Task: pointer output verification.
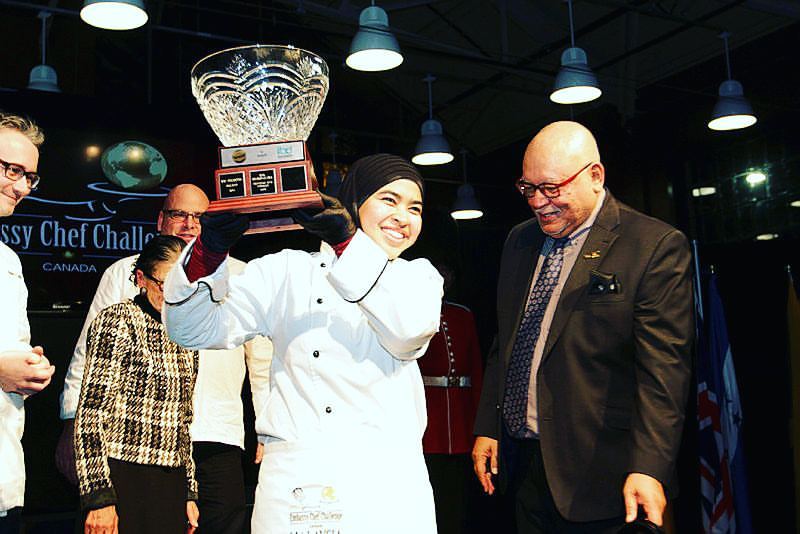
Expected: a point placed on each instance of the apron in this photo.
(359, 487)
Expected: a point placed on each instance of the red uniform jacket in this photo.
(453, 352)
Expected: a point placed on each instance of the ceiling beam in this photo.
(669, 35)
(539, 54)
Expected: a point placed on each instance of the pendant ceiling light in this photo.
(43, 77)
(432, 147)
(114, 14)
(732, 110)
(374, 47)
(466, 206)
(575, 81)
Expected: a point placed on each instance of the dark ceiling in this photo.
(659, 64)
(494, 60)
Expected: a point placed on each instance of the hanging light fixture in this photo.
(114, 14)
(432, 147)
(374, 47)
(43, 77)
(466, 206)
(732, 110)
(575, 81)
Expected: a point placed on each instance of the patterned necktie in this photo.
(515, 403)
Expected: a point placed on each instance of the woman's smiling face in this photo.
(392, 216)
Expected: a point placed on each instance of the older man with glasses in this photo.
(585, 387)
(217, 429)
(24, 370)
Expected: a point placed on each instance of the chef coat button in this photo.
(316, 354)
(328, 409)
(322, 265)
(319, 300)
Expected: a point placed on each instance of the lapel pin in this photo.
(592, 255)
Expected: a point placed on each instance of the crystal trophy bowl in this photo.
(260, 94)
(262, 102)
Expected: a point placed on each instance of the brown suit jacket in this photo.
(614, 377)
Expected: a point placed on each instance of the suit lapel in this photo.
(599, 240)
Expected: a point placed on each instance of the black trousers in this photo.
(535, 509)
(150, 498)
(451, 479)
(11, 522)
(222, 505)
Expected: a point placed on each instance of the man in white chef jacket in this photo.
(24, 370)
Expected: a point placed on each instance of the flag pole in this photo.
(698, 288)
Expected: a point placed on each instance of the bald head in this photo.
(554, 156)
(562, 144)
(180, 215)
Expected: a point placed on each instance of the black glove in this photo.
(220, 231)
(332, 223)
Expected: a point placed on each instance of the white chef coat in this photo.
(345, 382)
(218, 412)
(15, 334)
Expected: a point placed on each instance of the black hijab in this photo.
(369, 174)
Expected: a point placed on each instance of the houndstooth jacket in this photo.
(136, 400)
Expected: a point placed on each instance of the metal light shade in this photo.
(432, 147)
(114, 14)
(466, 206)
(43, 78)
(374, 47)
(575, 82)
(732, 110)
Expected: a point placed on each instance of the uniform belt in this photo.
(447, 381)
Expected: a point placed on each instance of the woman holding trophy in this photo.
(346, 411)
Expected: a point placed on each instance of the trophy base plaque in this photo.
(265, 181)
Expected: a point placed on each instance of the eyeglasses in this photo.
(14, 172)
(159, 283)
(180, 215)
(528, 190)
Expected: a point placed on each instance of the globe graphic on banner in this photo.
(133, 165)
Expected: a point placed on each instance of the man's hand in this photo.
(259, 453)
(25, 372)
(222, 230)
(644, 490)
(332, 223)
(192, 517)
(102, 521)
(485, 449)
(65, 452)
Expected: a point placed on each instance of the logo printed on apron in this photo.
(315, 509)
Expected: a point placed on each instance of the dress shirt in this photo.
(217, 398)
(346, 331)
(571, 250)
(14, 335)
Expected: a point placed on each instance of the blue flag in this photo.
(723, 479)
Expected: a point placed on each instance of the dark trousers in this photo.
(535, 509)
(453, 490)
(11, 522)
(150, 498)
(221, 485)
